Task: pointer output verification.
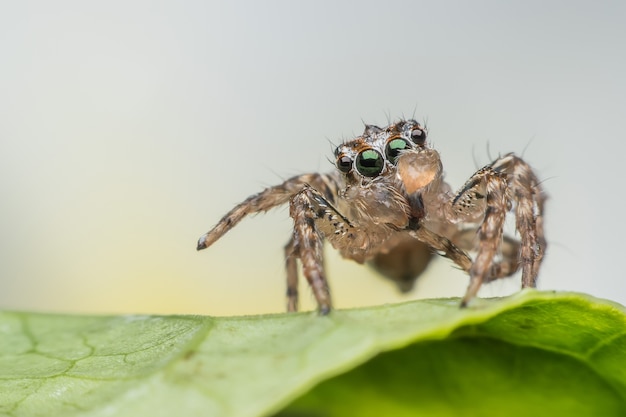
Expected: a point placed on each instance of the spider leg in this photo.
(541, 245)
(509, 252)
(469, 202)
(509, 262)
(263, 201)
(306, 208)
(529, 198)
(443, 245)
(292, 275)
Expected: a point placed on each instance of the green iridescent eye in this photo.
(394, 147)
(370, 163)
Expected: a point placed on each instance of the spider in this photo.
(387, 204)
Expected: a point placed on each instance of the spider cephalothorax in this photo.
(387, 204)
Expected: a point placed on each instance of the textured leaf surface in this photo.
(536, 352)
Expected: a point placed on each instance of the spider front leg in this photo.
(491, 191)
(307, 241)
(314, 218)
(490, 185)
(260, 202)
(529, 202)
(297, 192)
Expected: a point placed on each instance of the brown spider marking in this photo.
(387, 204)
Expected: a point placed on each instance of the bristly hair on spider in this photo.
(387, 204)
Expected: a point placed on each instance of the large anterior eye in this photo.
(344, 163)
(369, 163)
(418, 136)
(393, 148)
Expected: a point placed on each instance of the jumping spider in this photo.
(387, 203)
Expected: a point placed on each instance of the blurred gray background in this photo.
(128, 128)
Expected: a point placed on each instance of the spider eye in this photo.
(344, 164)
(394, 147)
(418, 136)
(369, 163)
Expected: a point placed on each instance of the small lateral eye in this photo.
(344, 163)
(418, 136)
(393, 148)
(369, 163)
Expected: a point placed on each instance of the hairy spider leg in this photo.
(505, 181)
(490, 231)
(265, 200)
(291, 266)
(443, 245)
(307, 240)
(529, 199)
(275, 196)
(509, 252)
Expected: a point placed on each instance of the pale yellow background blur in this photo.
(128, 128)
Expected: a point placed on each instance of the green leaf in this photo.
(534, 353)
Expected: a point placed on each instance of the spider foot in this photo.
(202, 242)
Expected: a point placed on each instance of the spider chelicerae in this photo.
(387, 204)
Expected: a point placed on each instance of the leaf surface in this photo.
(536, 352)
